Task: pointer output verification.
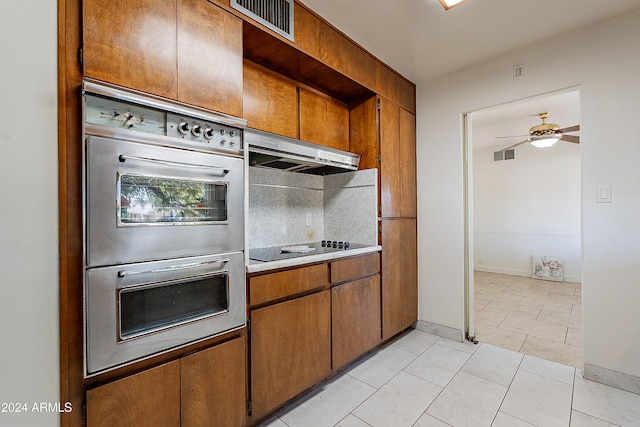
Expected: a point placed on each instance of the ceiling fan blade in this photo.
(515, 145)
(511, 136)
(570, 129)
(571, 138)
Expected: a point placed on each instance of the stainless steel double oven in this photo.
(164, 225)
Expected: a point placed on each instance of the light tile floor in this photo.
(535, 317)
(422, 380)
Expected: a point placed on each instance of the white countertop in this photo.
(260, 266)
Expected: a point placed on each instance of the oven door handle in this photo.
(175, 267)
(124, 157)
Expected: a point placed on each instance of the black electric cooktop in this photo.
(276, 253)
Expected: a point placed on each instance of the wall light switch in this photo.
(307, 220)
(603, 194)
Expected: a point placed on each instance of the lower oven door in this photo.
(146, 202)
(134, 311)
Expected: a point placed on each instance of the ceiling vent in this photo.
(275, 14)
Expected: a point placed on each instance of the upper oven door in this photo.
(146, 202)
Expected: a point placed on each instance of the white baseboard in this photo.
(611, 378)
(439, 330)
(523, 273)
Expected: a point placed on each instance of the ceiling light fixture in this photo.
(448, 4)
(546, 134)
(545, 141)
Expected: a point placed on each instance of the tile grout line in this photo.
(509, 388)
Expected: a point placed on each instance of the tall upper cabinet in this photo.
(187, 50)
(398, 212)
(383, 132)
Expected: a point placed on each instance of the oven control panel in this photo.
(203, 131)
(196, 132)
(122, 115)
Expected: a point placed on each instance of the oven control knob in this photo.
(222, 142)
(232, 143)
(232, 134)
(183, 128)
(208, 133)
(196, 131)
(222, 131)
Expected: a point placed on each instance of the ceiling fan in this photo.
(547, 134)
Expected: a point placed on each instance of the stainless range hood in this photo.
(279, 152)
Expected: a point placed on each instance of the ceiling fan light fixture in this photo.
(545, 141)
(448, 4)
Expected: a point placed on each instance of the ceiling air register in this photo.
(275, 14)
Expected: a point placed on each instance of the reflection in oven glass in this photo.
(146, 199)
(150, 308)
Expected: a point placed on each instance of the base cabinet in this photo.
(290, 350)
(213, 386)
(355, 319)
(399, 275)
(207, 388)
(150, 398)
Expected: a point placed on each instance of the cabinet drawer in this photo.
(353, 268)
(274, 286)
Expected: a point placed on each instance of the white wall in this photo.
(603, 60)
(527, 206)
(29, 341)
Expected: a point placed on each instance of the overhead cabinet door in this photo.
(209, 57)
(397, 161)
(186, 50)
(131, 43)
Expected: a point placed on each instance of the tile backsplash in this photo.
(291, 208)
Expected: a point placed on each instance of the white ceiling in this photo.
(422, 41)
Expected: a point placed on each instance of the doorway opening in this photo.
(523, 229)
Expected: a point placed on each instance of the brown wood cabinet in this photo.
(393, 152)
(323, 120)
(188, 50)
(277, 286)
(150, 398)
(270, 101)
(203, 389)
(290, 350)
(355, 308)
(317, 38)
(132, 43)
(394, 87)
(398, 161)
(213, 386)
(399, 275)
(363, 131)
(275, 103)
(209, 57)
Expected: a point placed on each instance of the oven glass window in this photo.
(154, 200)
(150, 308)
